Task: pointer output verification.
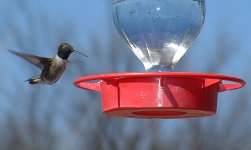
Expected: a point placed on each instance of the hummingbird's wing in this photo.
(38, 61)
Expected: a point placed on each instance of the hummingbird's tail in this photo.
(34, 80)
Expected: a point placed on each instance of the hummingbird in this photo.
(52, 68)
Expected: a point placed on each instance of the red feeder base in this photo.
(159, 94)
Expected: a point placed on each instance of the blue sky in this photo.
(91, 17)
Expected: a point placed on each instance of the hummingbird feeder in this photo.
(159, 34)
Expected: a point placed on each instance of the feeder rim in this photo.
(237, 82)
(159, 74)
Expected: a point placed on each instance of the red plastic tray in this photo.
(159, 94)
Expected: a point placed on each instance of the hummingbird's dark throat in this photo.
(63, 55)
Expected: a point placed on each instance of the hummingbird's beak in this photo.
(78, 52)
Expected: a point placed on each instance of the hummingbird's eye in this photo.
(67, 48)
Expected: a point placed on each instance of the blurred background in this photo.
(64, 117)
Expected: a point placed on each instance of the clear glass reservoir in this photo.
(159, 32)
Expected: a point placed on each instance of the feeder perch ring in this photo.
(159, 94)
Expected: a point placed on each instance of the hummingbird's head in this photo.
(64, 50)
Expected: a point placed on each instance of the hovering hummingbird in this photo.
(52, 68)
